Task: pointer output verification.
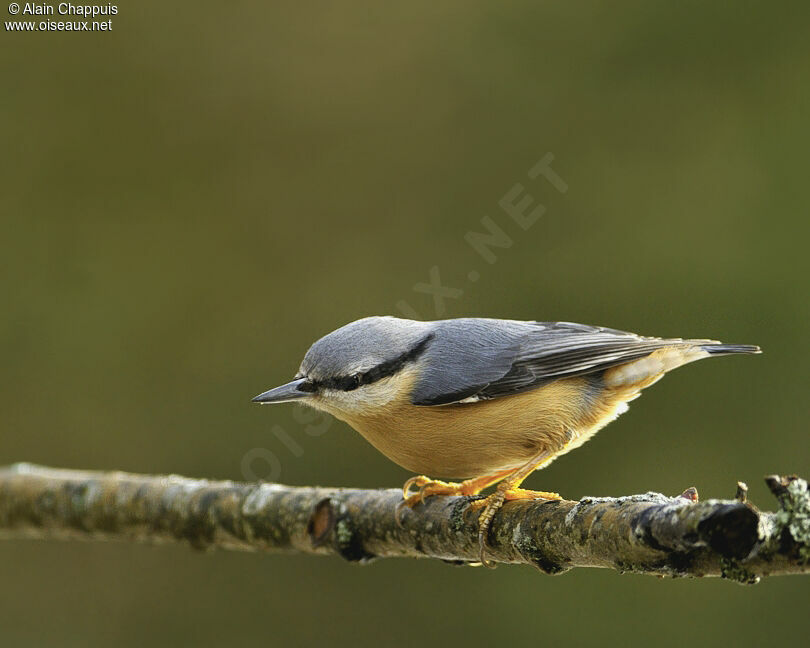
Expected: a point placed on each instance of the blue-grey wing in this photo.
(479, 359)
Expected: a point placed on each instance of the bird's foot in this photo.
(493, 503)
(427, 487)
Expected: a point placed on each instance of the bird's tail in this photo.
(724, 349)
(645, 371)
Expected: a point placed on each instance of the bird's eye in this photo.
(345, 383)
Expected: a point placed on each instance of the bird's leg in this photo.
(508, 489)
(425, 487)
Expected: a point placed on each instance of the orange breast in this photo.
(474, 439)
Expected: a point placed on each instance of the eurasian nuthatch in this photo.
(484, 400)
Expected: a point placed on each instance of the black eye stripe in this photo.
(382, 370)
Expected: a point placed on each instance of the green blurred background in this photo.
(193, 198)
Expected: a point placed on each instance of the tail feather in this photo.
(645, 371)
(722, 349)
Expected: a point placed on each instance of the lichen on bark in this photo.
(647, 534)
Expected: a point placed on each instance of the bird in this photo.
(481, 400)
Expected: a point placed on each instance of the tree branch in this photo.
(648, 534)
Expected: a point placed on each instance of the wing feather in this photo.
(478, 359)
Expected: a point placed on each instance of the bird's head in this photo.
(357, 368)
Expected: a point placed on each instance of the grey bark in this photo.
(648, 534)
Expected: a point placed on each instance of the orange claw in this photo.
(523, 493)
(507, 490)
(427, 487)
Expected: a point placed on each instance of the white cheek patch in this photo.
(655, 364)
(366, 397)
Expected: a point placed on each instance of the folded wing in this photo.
(478, 359)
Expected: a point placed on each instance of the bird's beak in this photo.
(289, 392)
